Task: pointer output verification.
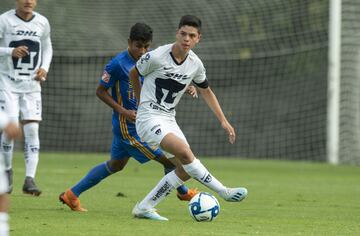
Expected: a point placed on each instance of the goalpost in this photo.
(343, 136)
(334, 82)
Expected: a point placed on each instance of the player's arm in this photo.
(18, 52)
(134, 78)
(47, 53)
(5, 51)
(214, 105)
(102, 93)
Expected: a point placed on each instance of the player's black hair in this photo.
(141, 32)
(190, 20)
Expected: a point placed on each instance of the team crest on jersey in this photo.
(105, 77)
(145, 58)
(158, 132)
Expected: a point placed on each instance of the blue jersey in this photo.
(126, 142)
(116, 77)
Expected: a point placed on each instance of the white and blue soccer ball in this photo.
(204, 207)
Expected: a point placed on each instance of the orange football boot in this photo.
(69, 198)
(187, 196)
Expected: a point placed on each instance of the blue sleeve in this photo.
(109, 75)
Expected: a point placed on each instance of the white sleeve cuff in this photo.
(6, 51)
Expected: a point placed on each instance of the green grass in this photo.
(285, 198)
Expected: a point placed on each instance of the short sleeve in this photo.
(146, 64)
(108, 76)
(47, 29)
(4, 51)
(200, 77)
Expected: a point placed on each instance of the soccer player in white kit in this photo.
(25, 57)
(168, 71)
(13, 131)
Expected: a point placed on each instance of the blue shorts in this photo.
(132, 146)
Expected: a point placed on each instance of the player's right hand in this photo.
(20, 52)
(130, 115)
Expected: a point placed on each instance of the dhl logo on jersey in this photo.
(176, 76)
(26, 33)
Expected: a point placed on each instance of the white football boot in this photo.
(234, 194)
(150, 214)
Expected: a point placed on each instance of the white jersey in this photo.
(17, 74)
(166, 80)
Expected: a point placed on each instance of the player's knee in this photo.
(116, 165)
(185, 155)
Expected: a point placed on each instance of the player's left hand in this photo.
(130, 115)
(229, 130)
(40, 75)
(191, 90)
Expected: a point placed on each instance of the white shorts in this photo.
(153, 129)
(3, 179)
(27, 106)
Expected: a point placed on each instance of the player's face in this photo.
(187, 37)
(25, 6)
(138, 48)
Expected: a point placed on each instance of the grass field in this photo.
(285, 198)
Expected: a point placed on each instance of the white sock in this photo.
(198, 171)
(32, 147)
(4, 224)
(161, 190)
(7, 146)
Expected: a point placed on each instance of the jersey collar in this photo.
(130, 56)
(33, 16)
(177, 63)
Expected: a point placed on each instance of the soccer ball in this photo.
(204, 207)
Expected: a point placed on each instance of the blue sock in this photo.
(181, 189)
(93, 177)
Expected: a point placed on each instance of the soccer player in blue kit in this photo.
(126, 143)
